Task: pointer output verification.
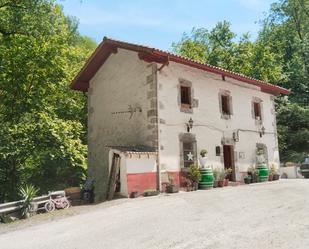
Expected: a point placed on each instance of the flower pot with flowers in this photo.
(203, 158)
(221, 178)
(272, 171)
(253, 172)
(228, 173)
(216, 173)
(275, 173)
(171, 187)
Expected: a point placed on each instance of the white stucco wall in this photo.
(209, 127)
(123, 80)
(139, 165)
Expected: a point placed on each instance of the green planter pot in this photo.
(247, 180)
(207, 179)
(263, 173)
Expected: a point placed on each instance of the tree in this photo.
(286, 31)
(218, 47)
(42, 140)
(293, 128)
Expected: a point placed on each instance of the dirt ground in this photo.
(263, 215)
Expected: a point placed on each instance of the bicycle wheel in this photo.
(49, 206)
(66, 204)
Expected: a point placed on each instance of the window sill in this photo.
(226, 116)
(258, 121)
(186, 109)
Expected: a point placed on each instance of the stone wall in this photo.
(122, 110)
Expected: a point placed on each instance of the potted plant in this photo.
(171, 187)
(247, 179)
(216, 173)
(203, 158)
(28, 193)
(195, 175)
(272, 171)
(150, 192)
(134, 194)
(254, 174)
(189, 183)
(227, 172)
(276, 175)
(221, 178)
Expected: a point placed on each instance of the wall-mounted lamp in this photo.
(189, 125)
(262, 132)
(236, 136)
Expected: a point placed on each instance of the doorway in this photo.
(229, 162)
(114, 177)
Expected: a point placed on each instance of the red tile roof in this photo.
(109, 46)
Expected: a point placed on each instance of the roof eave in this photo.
(108, 46)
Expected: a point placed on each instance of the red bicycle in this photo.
(57, 200)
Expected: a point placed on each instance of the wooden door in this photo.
(114, 177)
(228, 155)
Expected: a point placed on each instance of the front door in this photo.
(228, 155)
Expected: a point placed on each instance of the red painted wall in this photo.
(140, 182)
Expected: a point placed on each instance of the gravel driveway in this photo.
(264, 215)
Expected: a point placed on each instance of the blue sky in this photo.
(159, 23)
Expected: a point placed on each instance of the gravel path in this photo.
(264, 215)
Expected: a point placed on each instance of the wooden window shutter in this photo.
(185, 96)
(257, 110)
(225, 104)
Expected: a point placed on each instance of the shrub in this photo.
(194, 173)
(27, 193)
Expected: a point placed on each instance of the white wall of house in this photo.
(139, 165)
(123, 80)
(209, 128)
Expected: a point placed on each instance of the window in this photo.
(185, 92)
(225, 105)
(257, 110)
(218, 151)
(189, 153)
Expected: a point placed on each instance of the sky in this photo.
(161, 22)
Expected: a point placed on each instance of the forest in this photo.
(43, 123)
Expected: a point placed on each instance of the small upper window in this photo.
(185, 92)
(257, 110)
(225, 105)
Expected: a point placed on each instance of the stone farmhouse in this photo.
(151, 112)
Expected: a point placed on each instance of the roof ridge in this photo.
(77, 82)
